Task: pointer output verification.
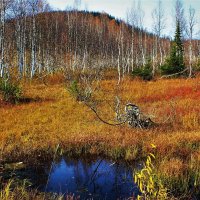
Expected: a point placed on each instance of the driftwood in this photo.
(135, 118)
(132, 116)
(102, 120)
(171, 75)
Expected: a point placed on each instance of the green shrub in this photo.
(171, 66)
(197, 66)
(74, 89)
(11, 92)
(80, 92)
(144, 72)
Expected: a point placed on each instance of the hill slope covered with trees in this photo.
(35, 39)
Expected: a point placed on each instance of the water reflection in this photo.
(99, 179)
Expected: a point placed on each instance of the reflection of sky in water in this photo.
(99, 180)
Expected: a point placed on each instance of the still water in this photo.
(99, 179)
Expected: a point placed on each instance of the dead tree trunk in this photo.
(135, 118)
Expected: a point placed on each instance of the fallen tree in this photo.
(132, 116)
(82, 89)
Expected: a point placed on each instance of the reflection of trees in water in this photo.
(84, 175)
(100, 177)
(79, 176)
(86, 171)
(96, 177)
(122, 178)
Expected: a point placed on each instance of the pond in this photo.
(97, 179)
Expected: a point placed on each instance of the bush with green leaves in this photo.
(144, 72)
(197, 66)
(79, 92)
(172, 66)
(73, 88)
(10, 91)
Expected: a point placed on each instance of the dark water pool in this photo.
(99, 179)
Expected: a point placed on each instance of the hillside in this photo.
(49, 41)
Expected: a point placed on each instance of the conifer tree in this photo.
(175, 62)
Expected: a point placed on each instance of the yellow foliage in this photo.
(149, 183)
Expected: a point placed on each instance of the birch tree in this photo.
(36, 6)
(33, 11)
(158, 27)
(2, 36)
(132, 20)
(190, 32)
(135, 17)
(119, 39)
(140, 20)
(19, 10)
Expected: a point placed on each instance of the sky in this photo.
(118, 9)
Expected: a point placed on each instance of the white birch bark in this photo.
(2, 37)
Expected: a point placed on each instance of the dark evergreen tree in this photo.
(144, 72)
(175, 62)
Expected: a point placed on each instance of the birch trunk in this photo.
(2, 36)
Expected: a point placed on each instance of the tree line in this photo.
(34, 39)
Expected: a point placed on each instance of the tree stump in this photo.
(135, 118)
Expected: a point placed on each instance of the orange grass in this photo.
(31, 131)
(55, 118)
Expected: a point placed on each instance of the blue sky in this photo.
(118, 8)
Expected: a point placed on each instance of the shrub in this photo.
(197, 67)
(11, 92)
(79, 92)
(148, 181)
(171, 66)
(144, 72)
(73, 89)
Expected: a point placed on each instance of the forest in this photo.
(103, 98)
(36, 39)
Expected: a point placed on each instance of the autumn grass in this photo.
(12, 190)
(31, 131)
